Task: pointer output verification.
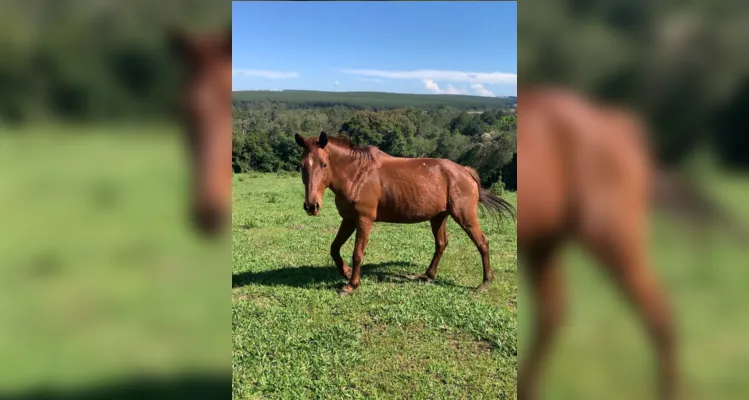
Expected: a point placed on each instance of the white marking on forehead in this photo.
(311, 162)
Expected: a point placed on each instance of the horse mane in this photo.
(363, 153)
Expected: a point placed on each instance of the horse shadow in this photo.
(309, 276)
(195, 386)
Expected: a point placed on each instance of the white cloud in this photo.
(337, 83)
(433, 87)
(500, 78)
(263, 74)
(481, 90)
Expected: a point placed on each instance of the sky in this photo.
(400, 47)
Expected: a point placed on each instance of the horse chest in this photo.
(346, 208)
(352, 209)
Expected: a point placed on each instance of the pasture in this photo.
(106, 293)
(602, 350)
(294, 337)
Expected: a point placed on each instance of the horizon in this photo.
(369, 91)
(476, 56)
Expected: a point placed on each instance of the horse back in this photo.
(416, 189)
(584, 167)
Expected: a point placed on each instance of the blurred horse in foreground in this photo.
(206, 110)
(586, 173)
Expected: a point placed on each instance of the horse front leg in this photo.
(347, 228)
(363, 227)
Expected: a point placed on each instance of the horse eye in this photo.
(324, 165)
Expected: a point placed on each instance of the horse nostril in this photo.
(209, 220)
(304, 206)
(317, 206)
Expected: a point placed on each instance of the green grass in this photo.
(603, 351)
(101, 280)
(295, 338)
(307, 98)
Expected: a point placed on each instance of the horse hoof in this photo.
(345, 291)
(420, 278)
(482, 288)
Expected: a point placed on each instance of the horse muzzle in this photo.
(312, 209)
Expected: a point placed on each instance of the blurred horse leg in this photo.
(625, 257)
(544, 272)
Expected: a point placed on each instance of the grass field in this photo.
(295, 338)
(105, 292)
(603, 352)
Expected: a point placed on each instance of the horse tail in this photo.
(490, 201)
(687, 201)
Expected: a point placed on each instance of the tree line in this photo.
(89, 60)
(263, 139)
(306, 99)
(683, 66)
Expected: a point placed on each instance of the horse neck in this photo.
(346, 169)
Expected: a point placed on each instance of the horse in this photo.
(373, 186)
(205, 105)
(586, 173)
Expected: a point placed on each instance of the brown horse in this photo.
(585, 173)
(206, 108)
(371, 186)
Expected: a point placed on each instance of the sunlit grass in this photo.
(294, 337)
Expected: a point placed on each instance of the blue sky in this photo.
(401, 47)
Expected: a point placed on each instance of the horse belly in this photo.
(411, 207)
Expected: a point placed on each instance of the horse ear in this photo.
(322, 141)
(300, 140)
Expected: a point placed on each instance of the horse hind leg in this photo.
(626, 259)
(469, 221)
(439, 230)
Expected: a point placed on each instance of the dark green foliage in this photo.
(305, 99)
(510, 173)
(460, 122)
(681, 66)
(474, 128)
(490, 155)
(485, 140)
(362, 128)
(86, 60)
(731, 139)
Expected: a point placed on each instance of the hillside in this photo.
(366, 100)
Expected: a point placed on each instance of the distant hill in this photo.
(366, 100)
